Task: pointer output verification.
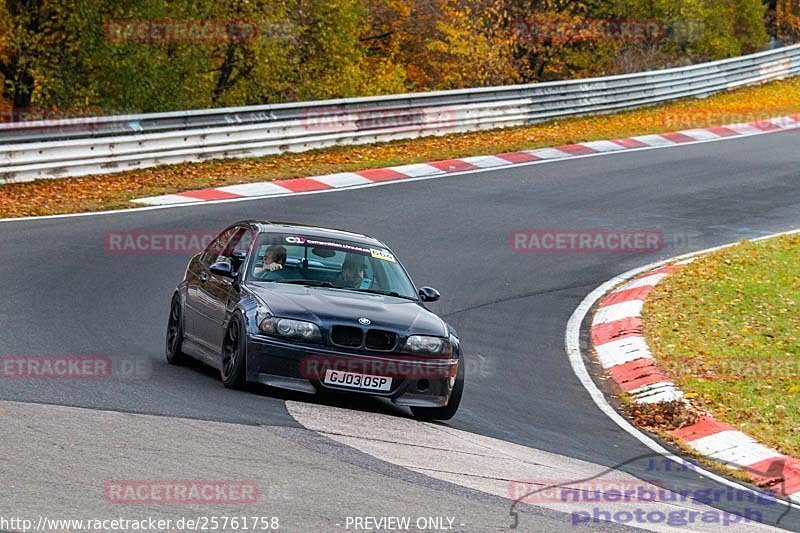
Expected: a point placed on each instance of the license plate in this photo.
(357, 381)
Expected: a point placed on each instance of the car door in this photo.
(197, 274)
(219, 295)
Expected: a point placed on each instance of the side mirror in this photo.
(222, 268)
(429, 294)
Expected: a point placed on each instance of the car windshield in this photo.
(325, 262)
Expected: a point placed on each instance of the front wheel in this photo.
(234, 348)
(448, 411)
(175, 355)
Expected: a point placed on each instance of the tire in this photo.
(234, 351)
(174, 350)
(448, 411)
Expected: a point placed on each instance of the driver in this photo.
(274, 259)
(353, 270)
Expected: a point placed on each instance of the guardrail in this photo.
(76, 147)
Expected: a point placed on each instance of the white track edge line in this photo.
(573, 347)
(394, 182)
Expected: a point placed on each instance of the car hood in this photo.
(327, 306)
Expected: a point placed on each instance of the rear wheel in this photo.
(233, 354)
(175, 355)
(448, 411)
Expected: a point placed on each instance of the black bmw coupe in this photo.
(314, 309)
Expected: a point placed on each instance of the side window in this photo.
(240, 248)
(214, 249)
(235, 251)
(231, 245)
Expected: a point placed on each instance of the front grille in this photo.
(378, 339)
(347, 336)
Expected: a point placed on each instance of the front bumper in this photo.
(415, 381)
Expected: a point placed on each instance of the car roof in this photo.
(263, 226)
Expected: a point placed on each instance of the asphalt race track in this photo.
(64, 293)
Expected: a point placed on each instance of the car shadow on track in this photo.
(343, 400)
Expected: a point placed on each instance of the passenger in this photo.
(352, 274)
(274, 259)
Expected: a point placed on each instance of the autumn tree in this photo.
(443, 44)
(80, 55)
(472, 45)
(785, 19)
(37, 52)
(329, 59)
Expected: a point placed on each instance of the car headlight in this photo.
(287, 327)
(423, 344)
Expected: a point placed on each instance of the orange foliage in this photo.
(787, 20)
(115, 190)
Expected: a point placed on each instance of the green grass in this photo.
(727, 329)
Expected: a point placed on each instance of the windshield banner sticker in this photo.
(384, 255)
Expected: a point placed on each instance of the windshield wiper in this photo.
(328, 284)
(310, 282)
(386, 293)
